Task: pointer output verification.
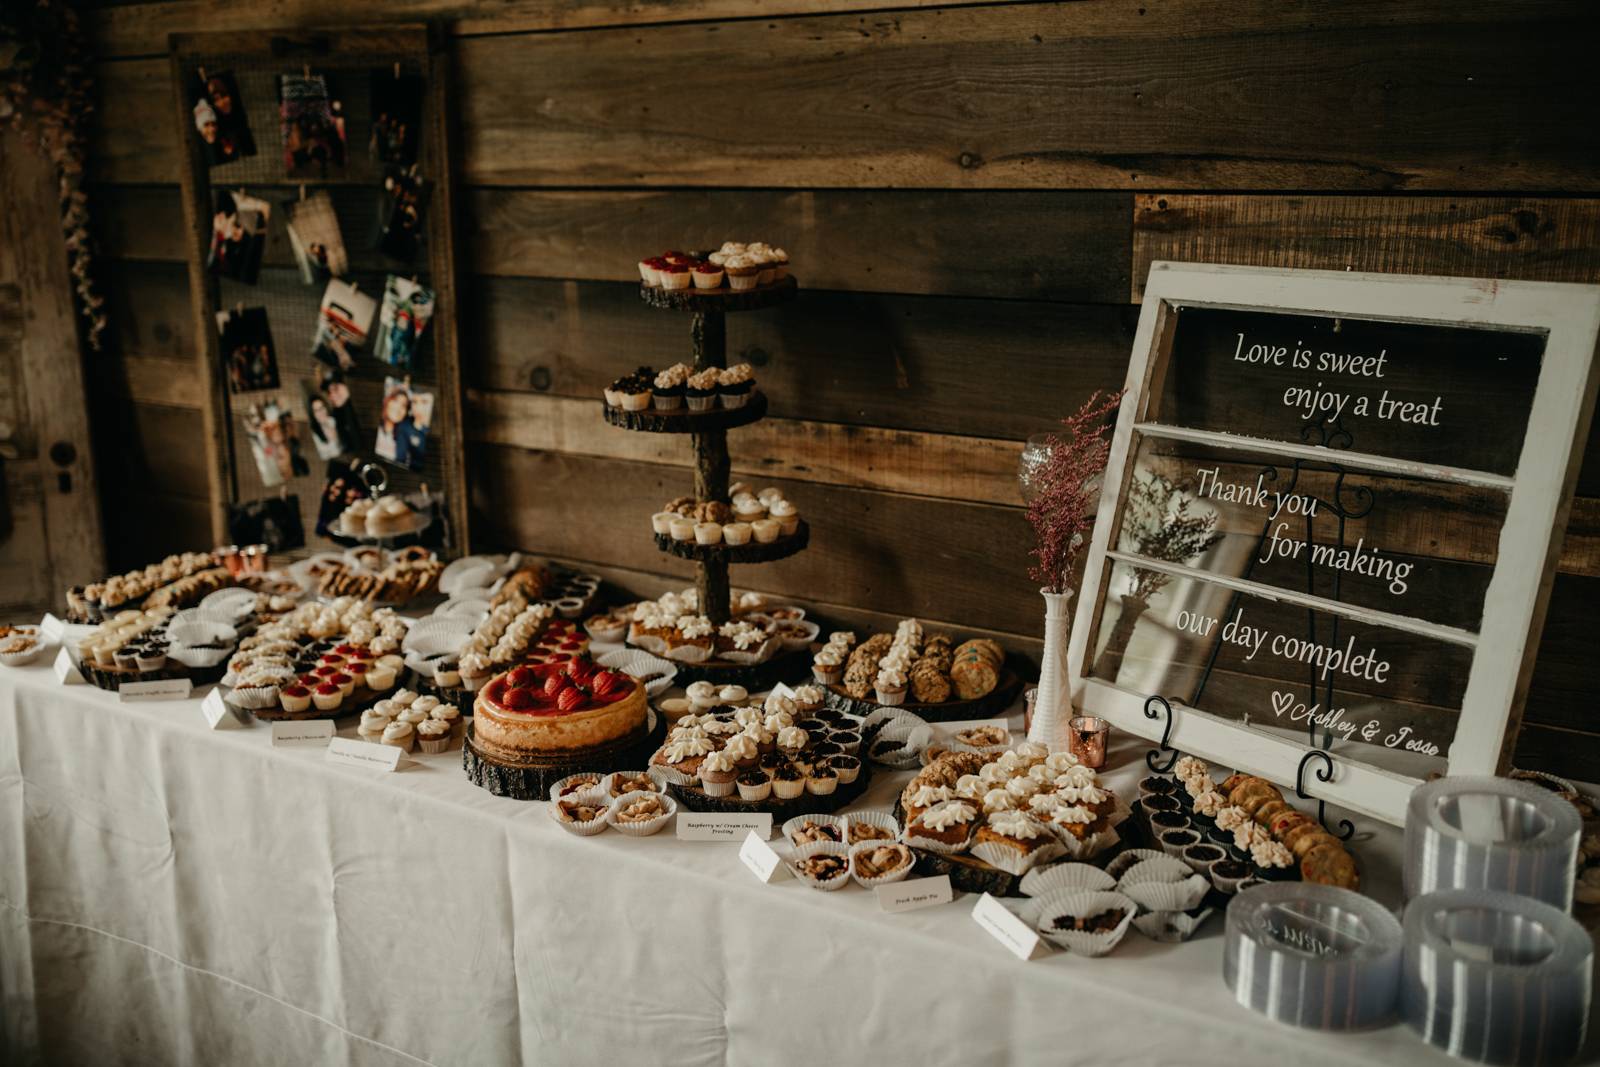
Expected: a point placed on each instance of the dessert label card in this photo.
(51, 628)
(161, 689)
(1021, 941)
(915, 893)
(364, 754)
(67, 672)
(218, 715)
(731, 826)
(316, 732)
(762, 859)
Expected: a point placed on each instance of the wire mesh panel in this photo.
(319, 175)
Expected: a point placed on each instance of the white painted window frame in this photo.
(1530, 538)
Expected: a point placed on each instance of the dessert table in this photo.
(170, 893)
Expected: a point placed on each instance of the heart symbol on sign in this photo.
(1281, 702)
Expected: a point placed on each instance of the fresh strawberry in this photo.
(611, 682)
(518, 699)
(522, 678)
(570, 699)
(554, 684)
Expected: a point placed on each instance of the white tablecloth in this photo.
(170, 894)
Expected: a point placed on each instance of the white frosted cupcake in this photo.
(891, 687)
(412, 715)
(399, 734)
(373, 723)
(433, 736)
(787, 514)
(766, 531)
(450, 715)
(402, 697)
(746, 508)
(379, 677)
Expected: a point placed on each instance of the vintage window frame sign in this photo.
(1539, 500)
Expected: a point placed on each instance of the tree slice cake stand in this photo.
(344, 710)
(112, 678)
(722, 299)
(694, 798)
(682, 420)
(530, 778)
(750, 552)
(783, 667)
(967, 873)
(993, 703)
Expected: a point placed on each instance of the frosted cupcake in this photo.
(737, 533)
(766, 531)
(372, 725)
(787, 515)
(735, 385)
(744, 272)
(671, 384)
(827, 666)
(399, 734)
(701, 392)
(433, 736)
(746, 508)
(891, 686)
(450, 715)
(718, 773)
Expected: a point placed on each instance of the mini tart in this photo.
(294, 698)
(882, 860)
(673, 276)
(531, 710)
(708, 276)
(327, 696)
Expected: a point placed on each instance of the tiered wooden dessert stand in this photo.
(709, 431)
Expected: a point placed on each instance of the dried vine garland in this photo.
(47, 98)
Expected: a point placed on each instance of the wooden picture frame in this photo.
(1539, 494)
(422, 49)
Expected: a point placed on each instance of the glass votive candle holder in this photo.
(232, 559)
(1087, 740)
(255, 558)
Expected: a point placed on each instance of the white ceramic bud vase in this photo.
(1052, 706)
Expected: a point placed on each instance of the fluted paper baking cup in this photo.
(1313, 956)
(1156, 868)
(584, 829)
(1491, 834)
(1166, 896)
(586, 780)
(1084, 848)
(800, 821)
(647, 826)
(883, 820)
(1122, 861)
(818, 848)
(1170, 926)
(1070, 877)
(1008, 859)
(896, 875)
(1083, 906)
(1496, 978)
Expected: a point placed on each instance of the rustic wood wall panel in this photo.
(970, 195)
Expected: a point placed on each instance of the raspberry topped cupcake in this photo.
(708, 276)
(674, 275)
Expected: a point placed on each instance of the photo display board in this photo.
(1333, 508)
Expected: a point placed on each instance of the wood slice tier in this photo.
(967, 873)
(532, 777)
(720, 299)
(750, 552)
(682, 420)
(784, 667)
(276, 713)
(110, 678)
(995, 702)
(695, 799)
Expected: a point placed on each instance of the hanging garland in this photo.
(47, 98)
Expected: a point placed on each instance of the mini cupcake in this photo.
(754, 786)
(780, 264)
(891, 687)
(700, 391)
(735, 385)
(446, 674)
(661, 522)
(822, 780)
(673, 276)
(808, 698)
(380, 678)
(670, 387)
(151, 656)
(788, 783)
(736, 533)
(399, 734)
(372, 724)
(647, 272)
(746, 508)
(743, 271)
(327, 696)
(787, 515)
(635, 395)
(718, 774)
(450, 715)
(404, 698)
(293, 698)
(847, 768)
(433, 736)
(413, 715)
(346, 684)
(708, 533)
(708, 276)
(766, 531)
(681, 529)
(827, 667)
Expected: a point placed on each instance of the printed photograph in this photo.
(313, 126)
(342, 325)
(403, 423)
(273, 521)
(335, 430)
(341, 488)
(238, 235)
(406, 194)
(219, 118)
(248, 358)
(407, 309)
(274, 440)
(314, 235)
(396, 117)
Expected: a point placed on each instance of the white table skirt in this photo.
(170, 894)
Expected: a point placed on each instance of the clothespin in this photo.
(305, 69)
(397, 70)
(302, 190)
(202, 71)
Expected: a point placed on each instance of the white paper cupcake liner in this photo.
(434, 746)
(609, 780)
(817, 848)
(1068, 877)
(1119, 864)
(254, 697)
(1084, 848)
(801, 641)
(1166, 896)
(688, 653)
(584, 829)
(198, 658)
(641, 829)
(1170, 926)
(1011, 861)
(672, 776)
(20, 659)
(1082, 905)
(912, 838)
(882, 819)
(561, 783)
(202, 633)
(1159, 868)
(839, 821)
(899, 875)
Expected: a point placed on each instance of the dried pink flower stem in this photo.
(1062, 513)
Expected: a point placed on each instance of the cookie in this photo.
(1330, 864)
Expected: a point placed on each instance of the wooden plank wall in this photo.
(971, 195)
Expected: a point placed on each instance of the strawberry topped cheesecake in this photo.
(538, 709)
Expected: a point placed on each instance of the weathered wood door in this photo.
(50, 535)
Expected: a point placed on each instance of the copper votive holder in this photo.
(255, 558)
(232, 559)
(1087, 740)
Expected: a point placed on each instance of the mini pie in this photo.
(881, 860)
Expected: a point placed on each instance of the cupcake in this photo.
(413, 715)
(718, 774)
(807, 698)
(736, 533)
(792, 741)
(743, 271)
(293, 698)
(446, 674)
(780, 264)
(380, 677)
(404, 698)
(847, 768)
(635, 395)
(399, 734)
(788, 783)
(681, 529)
(766, 531)
(475, 671)
(433, 736)
(735, 385)
(708, 276)
(327, 696)
(661, 522)
(450, 715)
(746, 508)
(701, 389)
(673, 276)
(787, 515)
(151, 656)
(827, 667)
(891, 687)
(707, 533)
(822, 780)
(372, 724)
(647, 272)
(670, 386)
(754, 786)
